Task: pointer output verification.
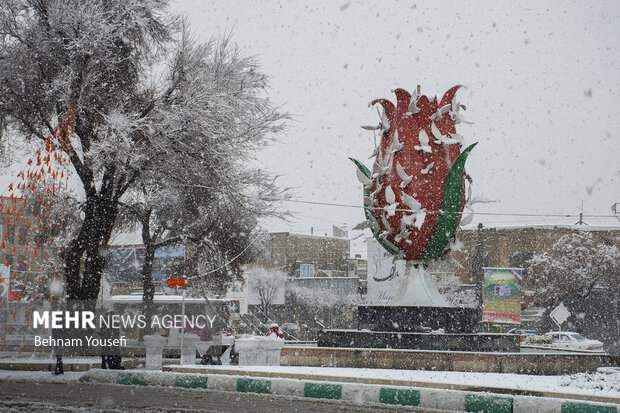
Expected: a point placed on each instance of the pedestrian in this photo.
(110, 354)
(58, 336)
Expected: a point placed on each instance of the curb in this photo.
(75, 366)
(499, 391)
(447, 400)
(20, 366)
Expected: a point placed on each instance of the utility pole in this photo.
(478, 262)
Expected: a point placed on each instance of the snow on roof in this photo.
(549, 226)
(292, 234)
(159, 299)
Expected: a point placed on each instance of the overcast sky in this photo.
(542, 90)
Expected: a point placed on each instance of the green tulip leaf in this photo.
(450, 209)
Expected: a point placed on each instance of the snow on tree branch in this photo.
(577, 263)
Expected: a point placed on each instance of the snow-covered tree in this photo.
(153, 109)
(267, 285)
(320, 298)
(576, 264)
(213, 210)
(322, 307)
(452, 288)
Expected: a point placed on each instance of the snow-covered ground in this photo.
(7, 358)
(38, 376)
(595, 384)
(605, 384)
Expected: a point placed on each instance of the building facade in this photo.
(513, 246)
(287, 251)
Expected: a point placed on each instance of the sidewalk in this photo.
(76, 364)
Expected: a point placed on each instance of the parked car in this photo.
(573, 341)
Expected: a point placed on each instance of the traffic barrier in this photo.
(441, 399)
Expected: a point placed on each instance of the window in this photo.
(21, 264)
(578, 337)
(23, 236)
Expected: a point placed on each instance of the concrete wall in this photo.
(521, 363)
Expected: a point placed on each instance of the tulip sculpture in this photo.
(415, 192)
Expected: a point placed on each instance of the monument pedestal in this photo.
(418, 319)
(418, 289)
(420, 308)
(476, 342)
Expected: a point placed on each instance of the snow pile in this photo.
(596, 382)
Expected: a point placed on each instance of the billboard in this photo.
(501, 295)
(307, 270)
(125, 264)
(168, 262)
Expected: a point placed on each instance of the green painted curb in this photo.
(488, 404)
(323, 391)
(134, 379)
(191, 382)
(403, 397)
(574, 407)
(254, 386)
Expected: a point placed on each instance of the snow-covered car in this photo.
(573, 341)
(522, 332)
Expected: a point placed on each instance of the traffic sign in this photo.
(559, 314)
(176, 282)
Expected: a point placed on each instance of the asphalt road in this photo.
(73, 397)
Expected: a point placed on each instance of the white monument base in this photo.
(417, 289)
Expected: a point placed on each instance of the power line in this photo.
(510, 214)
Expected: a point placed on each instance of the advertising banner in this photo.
(125, 264)
(501, 295)
(307, 270)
